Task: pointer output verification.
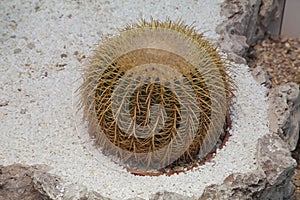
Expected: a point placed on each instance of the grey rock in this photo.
(274, 158)
(75, 191)
(92, 195)
(250, 19)
(272, 179)
(247, 22)
(170, 196)
(284, 113)
(136, 198)
(16, 182)
(48, 185)
(34, 182)
(236, 58)
(261, 76)
(236, 187)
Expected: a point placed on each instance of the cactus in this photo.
(156, 95)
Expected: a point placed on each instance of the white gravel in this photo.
(37, 82)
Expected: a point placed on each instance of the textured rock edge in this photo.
(285, 113)
(271, 180)
(247, 21)
(19, 181)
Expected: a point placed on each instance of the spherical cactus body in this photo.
(156, 95)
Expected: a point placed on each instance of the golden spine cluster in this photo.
(156, 95)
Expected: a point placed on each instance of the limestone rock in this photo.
(261, 76)
(272, 179)
(247, 21)
(16, 183)
(236, 187)
(284, 113)
(48, 185)
(76, 191)
(170, 196)
(275, 160)
(92, 195)
(20, 182)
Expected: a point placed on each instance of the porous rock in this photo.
(92, 195)
(247, 21)
(272, 179)
(48, 185)
(170, 196)
(236, 186)
(16, 182)
(284, 113)
(22, 182)
(274, 158)
(135, 198)
(261, 76)
(77, 191)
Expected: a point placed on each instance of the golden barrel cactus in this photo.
(156, 96)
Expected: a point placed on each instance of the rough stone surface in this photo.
(272, 180)
(247, 22)
(280, 58)
(284, 113)
(170, 196)
(261, 76)
(92, 195)
(48, 185)
(76, 191)
(275, 160)
(21, 182)
(236, 186)
(16, 182)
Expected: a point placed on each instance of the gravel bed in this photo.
(279, 56)
(43, 47)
